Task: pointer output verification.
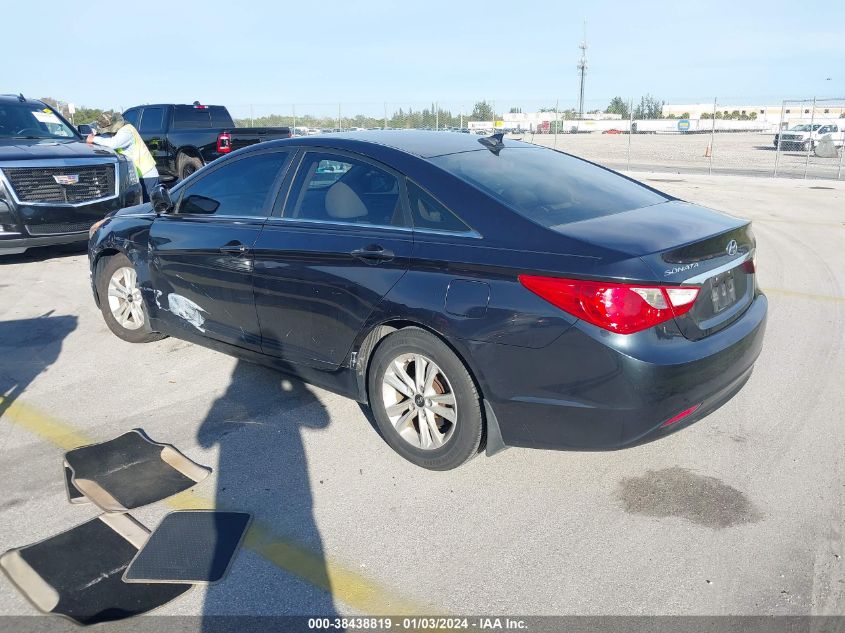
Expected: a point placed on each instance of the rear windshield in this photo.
(192, 117)
(546, 186)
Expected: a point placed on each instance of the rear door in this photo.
(201, 254)
(331, 251)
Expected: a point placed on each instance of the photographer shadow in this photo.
(27, 348)
(258, 425)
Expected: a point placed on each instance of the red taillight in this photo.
(620, 308)
(680, 416)
(224, 143)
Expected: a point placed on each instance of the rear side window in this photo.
(548, 187)
(344, 190)
(152, 120)
(428, 213)
(189, 117)
(238, 188)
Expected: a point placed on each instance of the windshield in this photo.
(32, 120)
(805, 128)
(548, 187)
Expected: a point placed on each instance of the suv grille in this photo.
(38, 184)
(55, 229)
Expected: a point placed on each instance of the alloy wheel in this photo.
(124, 298)
(419, 401)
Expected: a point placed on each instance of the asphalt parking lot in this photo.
(739, 153)
(742, 513)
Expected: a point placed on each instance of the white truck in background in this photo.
(806, 136)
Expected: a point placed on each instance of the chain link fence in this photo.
(791, 138)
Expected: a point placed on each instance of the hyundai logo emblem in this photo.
(66, 179)
(731, 248)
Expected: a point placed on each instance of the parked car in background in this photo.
(183, 138)
(473, 291)
(54, 186)
(805, 137)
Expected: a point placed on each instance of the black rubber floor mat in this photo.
(195, 546)
(73, 494)
(131, 471)
(77, 574)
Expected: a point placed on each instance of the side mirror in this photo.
(85, 129)
(160, 198)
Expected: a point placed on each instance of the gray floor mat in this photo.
(195, 546)
(131, 471)
(77, 574)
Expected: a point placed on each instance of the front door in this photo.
(202, 260)
(324, 261)
(152, 128)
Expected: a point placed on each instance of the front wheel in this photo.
(424, 400)
(121, 303)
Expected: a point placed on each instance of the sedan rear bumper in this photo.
(593, 390)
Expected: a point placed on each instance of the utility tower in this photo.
(582, 67)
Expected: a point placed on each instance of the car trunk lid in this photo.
(684, 244)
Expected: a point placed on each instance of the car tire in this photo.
(188, 165)
(436, 425)
(121, 302)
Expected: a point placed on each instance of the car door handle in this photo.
(235, 248)
(373, 254)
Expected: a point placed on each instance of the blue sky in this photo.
(517, 53)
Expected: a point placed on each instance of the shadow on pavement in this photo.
(27, 348)
(258, 425)
(43, 253)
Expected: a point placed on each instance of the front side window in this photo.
(333, 188)
(238, 188)
(548, 187)
(152, 120)
(131, 117)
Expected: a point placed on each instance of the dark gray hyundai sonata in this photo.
(474, 292)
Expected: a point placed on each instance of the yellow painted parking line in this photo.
(45, 426)
(802, 295)
(350, 587)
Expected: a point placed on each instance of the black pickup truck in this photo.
(53, 186)
(183, 138)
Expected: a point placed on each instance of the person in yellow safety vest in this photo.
(125, 140)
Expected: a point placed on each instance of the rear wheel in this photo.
(121, 302)
(424, 400)
(188, 165)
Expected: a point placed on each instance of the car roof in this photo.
(10, 98)
(420, 143)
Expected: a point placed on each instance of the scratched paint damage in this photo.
(186, 309)
(182, 307)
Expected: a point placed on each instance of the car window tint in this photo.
(428, 213)
(187, 117)
(339, 189)
(131, 117)
(237, 188)
(546, 186)
(152, 120)
(220, 117)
